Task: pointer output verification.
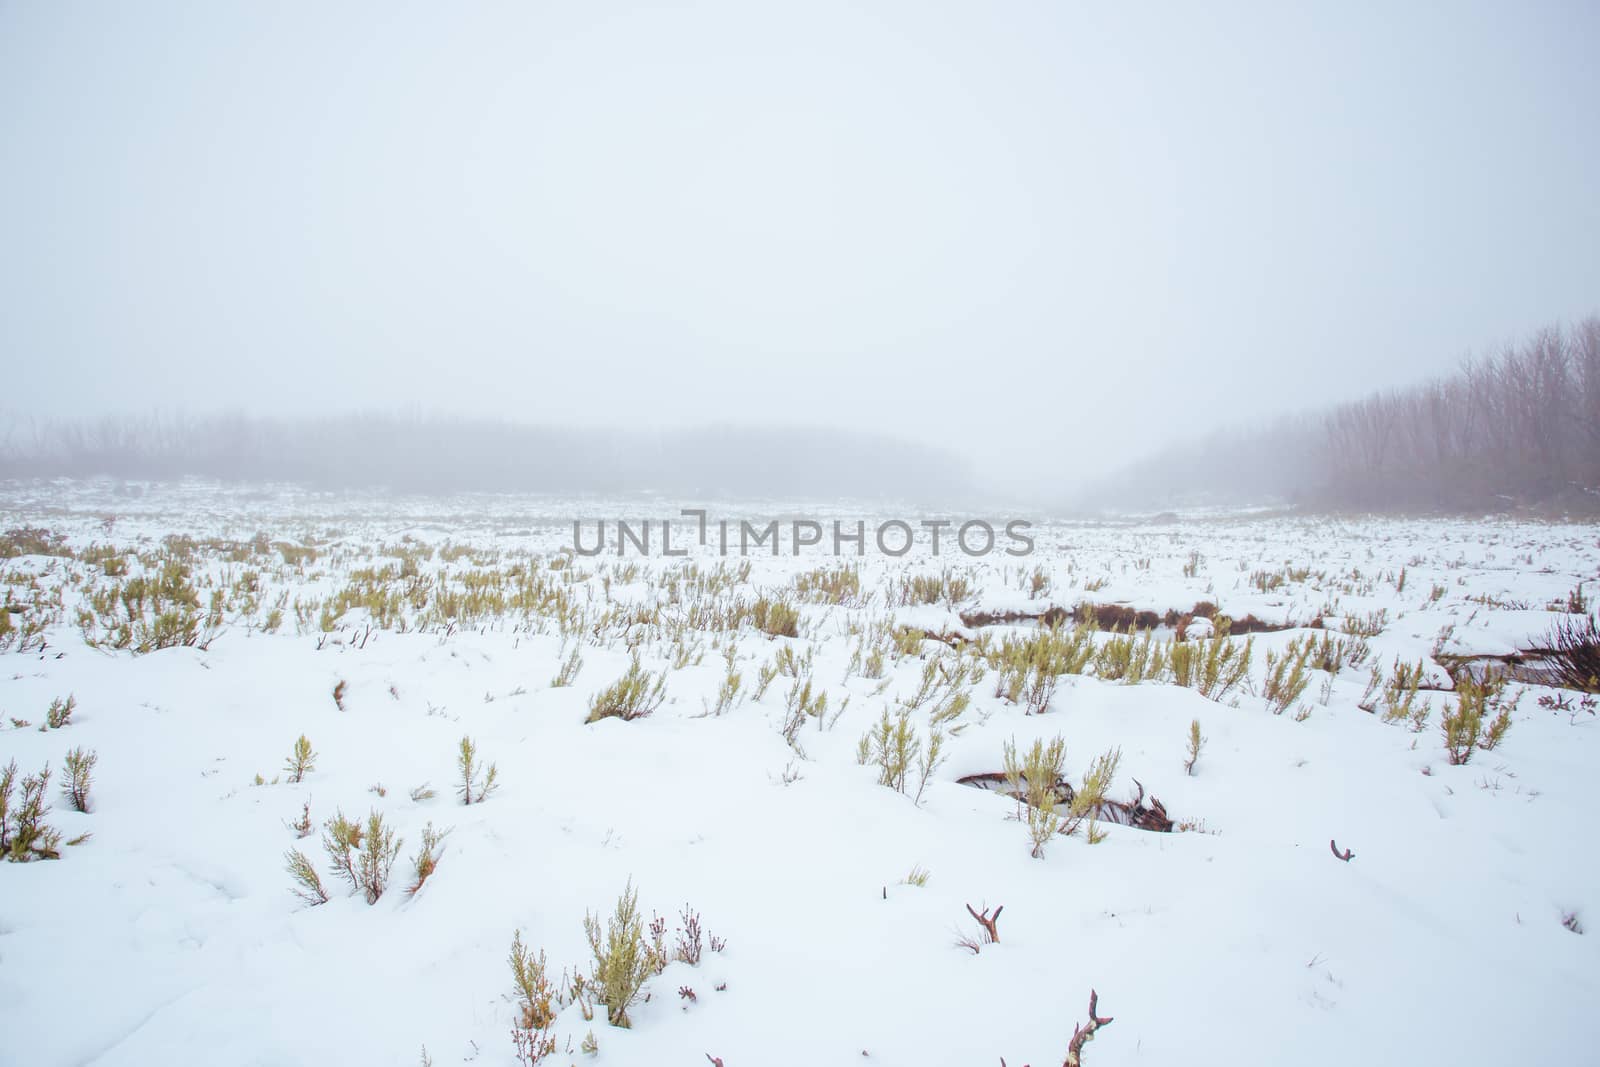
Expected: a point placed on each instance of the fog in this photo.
(1043, 238)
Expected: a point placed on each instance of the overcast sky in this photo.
(1047, 233)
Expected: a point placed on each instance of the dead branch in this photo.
(990, 934)
(1082, 1035)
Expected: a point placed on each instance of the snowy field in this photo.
(200, 632)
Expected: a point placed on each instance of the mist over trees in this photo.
(1521, 427)
(437, 454)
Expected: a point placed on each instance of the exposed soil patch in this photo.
(1120, 617)
(1529, 668)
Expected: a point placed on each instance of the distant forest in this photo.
(1521, 428)
(435, 454)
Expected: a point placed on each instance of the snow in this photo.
(171, 935)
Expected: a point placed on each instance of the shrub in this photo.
(689, 944)
(301, 759)
(426, 861)
(341, 839)
(307, 883)
(1034, 780)
(538, 1001)
(1470, 726)
(728, 691)
(1196, 742)
(1399, 698)
(80, 777)
(830, 585)
(1369, 625)
(623, 960)
(801, 702)
(1572, 652)
(477, 782)
(776, 617)
(60, 713)
(377, 858)
(1131, 659)
(532, 1046)
(569, 670)
(946, 587)
(633, 696)
(23, 834)
(892, 746)
(1091, 796)
(1287, 676)
(1214, 666)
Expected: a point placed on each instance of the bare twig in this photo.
(1082, 1035)
(991, 936)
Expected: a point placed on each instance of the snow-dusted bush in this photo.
(23, 834)
(803, 701)
(623, 959)
(1196, 743)
(633, 696)
(538, 1000)
(569, 670)
(80, 778)
(1287, 677)
(1470, 726)
(477, 781)
(377, 858)
(892, 745)
(426, 861)
(1034, 780)
(307, 883)
(776, 617)
(1574, 650)
(301, 760)
(60, 712)
(1131, 659)
(1214, 666)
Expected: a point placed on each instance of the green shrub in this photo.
(341, 839)
(80, 778)
(776, 617)
(633, 696)
(623, 960)
(892, 746)
(377, 858)
(1196, 742)
(301, 760)
(1287, 677)
(569, 670)
(477, 781)
(538, 1001)
(307, 883)
(23, 833)
(1214, 666)
(426, 861)
(1034, 781)
(1471, 726)
(60, 712)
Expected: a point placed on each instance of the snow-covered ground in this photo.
(172, 935)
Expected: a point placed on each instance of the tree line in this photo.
(1519, 427)
(442, 454)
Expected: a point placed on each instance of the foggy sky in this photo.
(1047, 234)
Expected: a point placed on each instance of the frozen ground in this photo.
(171, 935)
